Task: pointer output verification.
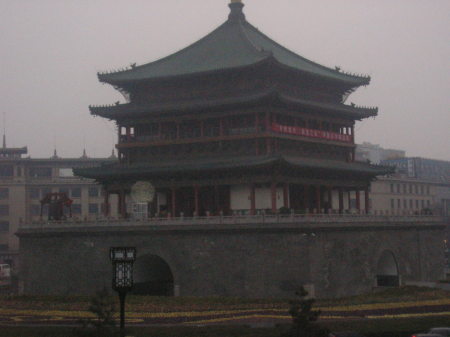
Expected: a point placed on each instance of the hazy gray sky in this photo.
(51, 50)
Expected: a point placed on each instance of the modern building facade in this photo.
(236, 123)
(24, 181)
(375, 154)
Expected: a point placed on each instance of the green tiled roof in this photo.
(199, 165)
(273, 94)
(234, 44)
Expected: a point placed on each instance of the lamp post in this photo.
(122, 259)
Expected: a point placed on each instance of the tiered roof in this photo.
(235, 44)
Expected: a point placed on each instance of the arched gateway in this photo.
(152, 276)
(387, 270)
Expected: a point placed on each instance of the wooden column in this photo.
(306, 196)
(221, 133)
(286, 195)
(358, 200)
(349, 199)
(330, 197)
(197, 200)
(217, 199)
(366, 200)
(318, 199)
(122, 205)
(273, 194)
(341, 200)
(174, 202)
(252, 200)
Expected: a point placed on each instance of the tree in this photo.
(304, 317)
(103, 325)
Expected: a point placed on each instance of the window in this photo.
(34, 193)
(3, 247)
(398, 188)
(93, 191)
(428, 190)
(76, 208)
(428, 203)
(4, 226)
(422, 202)
(76, 192)
(421, 189)
(4, 210)
(93, 208)
(35, 210)
(392, 203)
(410, 188)
(4, 193)
(404, 188)
(399, 205)
(66, 172)
(405, 203)
(392, 188)
(6, 171)
(410, 203)
(417, 204)
(40, 172)
(416, 189)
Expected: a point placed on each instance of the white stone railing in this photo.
(243, 219)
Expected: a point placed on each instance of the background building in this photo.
(24, 181)
(375, 153)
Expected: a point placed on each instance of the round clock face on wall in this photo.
(142, 191)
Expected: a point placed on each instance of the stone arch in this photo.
(152, 276)
(387, 270)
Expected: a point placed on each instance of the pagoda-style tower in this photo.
(236, 123)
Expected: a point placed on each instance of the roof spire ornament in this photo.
(236, 13)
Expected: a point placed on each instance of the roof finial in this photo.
(236, 13)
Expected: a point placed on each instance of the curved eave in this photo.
(271, 95)
(349, 81)
(199, 167)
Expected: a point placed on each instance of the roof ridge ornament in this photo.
(236, 13)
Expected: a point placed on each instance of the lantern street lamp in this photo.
(122, 259)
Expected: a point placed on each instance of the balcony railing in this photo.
(300, 219)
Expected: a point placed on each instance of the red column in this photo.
(286, 195)
(216, 200)
(273, 193)
(197, 200)
(252, 200)
(174, 202)
(366, 196)
(358, 201)
(306, 196)
(221, 127)
(330, 197)
(122, 206)
(349, 198)
(318, 199)
(341, 200)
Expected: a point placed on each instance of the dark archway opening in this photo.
(152, 276)
(387, 271)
